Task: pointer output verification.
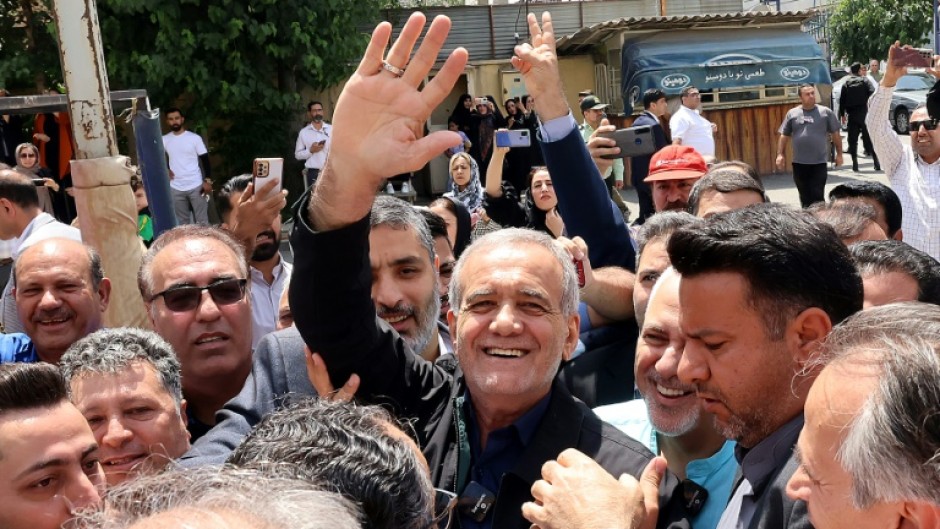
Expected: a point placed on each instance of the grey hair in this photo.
(661, 226)
(400, 215)
(221, 496)
(892, 447)
(350, 449)
(114, 350)
(849, 219)
(186, 232)
(517, 237)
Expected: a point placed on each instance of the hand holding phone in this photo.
(633, 141)
(911, 57)
(265, 170)
(513, 138)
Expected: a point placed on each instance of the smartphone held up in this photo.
(912, 57)
(265, 170)
(513, 138)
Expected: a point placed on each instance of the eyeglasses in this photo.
(187, 297)
(27, 155)
(444, 503)
(929, 124)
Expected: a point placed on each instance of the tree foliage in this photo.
(222, 61)
(864, 29)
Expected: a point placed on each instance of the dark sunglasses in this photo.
(185, 298)
(27, 155)
(929, 124)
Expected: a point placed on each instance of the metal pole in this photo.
(86, 78)
(152, 160)
(101, 177)
(936, 26)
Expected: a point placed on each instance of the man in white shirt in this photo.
(189, 168)
(688, 127)
(269, 273)
(913, 171)
(313, 143)
(23, 221)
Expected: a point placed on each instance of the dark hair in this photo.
(723, 181)
(661, 226)
(651, 96)
(459, 210)
(848, 219)
(791, 261)
(876, 191)
(687, 90)
(883, 257)
(223, 199)
(18, 189)
(314, 102)
(436, 223)
(349, 449)
(800, 88)
(171, 110)
(855, 68)
(27, 386)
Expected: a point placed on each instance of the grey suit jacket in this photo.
(278, 372)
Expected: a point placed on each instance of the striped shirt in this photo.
(916, 182)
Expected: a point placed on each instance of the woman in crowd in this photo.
(457, 218)
(27, 164)
(463, 115)
(465, 182)
(538, 211)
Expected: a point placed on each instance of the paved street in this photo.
(780, 187)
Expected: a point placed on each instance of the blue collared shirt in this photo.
(504, 447)
(17, 347)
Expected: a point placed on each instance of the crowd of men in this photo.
(786, 361)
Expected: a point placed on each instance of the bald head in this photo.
(61, 294)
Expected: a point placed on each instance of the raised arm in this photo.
(583, 199)
(886, 142)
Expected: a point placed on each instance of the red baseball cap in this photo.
(676, 162)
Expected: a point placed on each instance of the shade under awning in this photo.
(720, 58)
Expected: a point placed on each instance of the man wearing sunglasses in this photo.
(194, 283)
(913, 171)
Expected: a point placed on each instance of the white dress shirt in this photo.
(265, 299)
(694, 130)
(916, 182)
(307, 137)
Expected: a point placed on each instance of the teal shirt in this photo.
(715, 473)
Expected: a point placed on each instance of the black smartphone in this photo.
(633, 141)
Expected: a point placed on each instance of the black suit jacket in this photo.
(334, 313)
(640, 165)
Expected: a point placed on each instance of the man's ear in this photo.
(806, 333)
(919, 515)
(452, 325)
(899, 235)
(104, 293)
(573, 326)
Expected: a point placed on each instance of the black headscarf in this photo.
(463, 226)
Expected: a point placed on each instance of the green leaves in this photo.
(865, 29)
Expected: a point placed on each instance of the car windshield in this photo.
(909, 83)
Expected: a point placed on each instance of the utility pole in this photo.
(101, 177)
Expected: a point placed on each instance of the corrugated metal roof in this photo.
(488, 31)
(590, 36)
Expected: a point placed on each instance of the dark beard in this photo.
(317, 118)
(176, 128)
(266, 250)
